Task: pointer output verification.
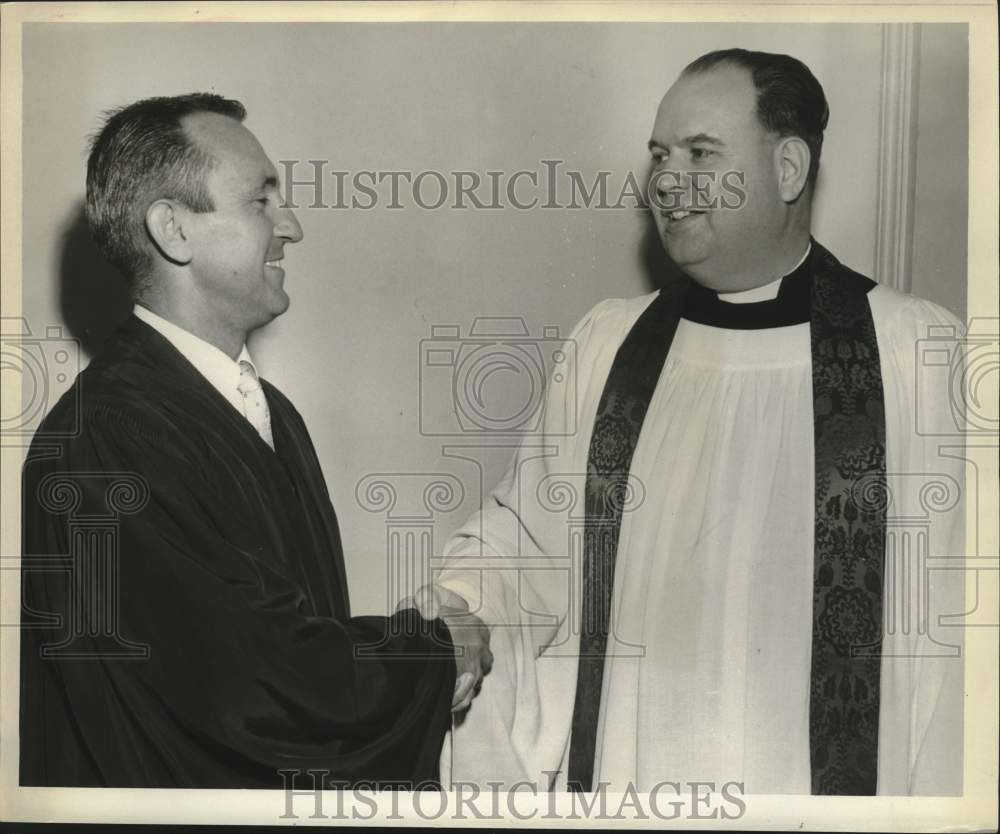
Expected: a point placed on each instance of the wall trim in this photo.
(897, 154)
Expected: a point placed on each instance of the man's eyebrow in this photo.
(266, 183)
(702, 139)
(696, 139)
(269, 181)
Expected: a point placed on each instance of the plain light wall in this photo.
(940, 220)
(367, 286)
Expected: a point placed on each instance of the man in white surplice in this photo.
(707, 671)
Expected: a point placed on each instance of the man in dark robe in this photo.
(186, 620)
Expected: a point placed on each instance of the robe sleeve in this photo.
(921, 723)
(510, 559)
(517, 562)
(239, 682)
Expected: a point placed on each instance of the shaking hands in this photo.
(469, 634)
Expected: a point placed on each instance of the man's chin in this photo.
(281, 304)
(687, 255)
(700, 266)
(278, 300)
(277, 304)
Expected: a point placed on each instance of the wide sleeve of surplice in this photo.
(921, 725)
(517, 563)
(235, 680)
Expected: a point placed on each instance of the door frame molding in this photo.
(897, 157)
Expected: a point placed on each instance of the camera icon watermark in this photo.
(38, 366)
(494, 380)
(963, 368)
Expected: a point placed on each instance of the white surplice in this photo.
(708, 669)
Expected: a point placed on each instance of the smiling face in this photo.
(711, 154)
(237, 249)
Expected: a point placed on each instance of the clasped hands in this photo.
(469, 634)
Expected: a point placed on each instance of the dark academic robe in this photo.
(202, 633)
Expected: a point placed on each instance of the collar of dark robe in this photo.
(850, 491)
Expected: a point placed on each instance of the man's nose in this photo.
(672, 179)
(288, 227)
(671, 187)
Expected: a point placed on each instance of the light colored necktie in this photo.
(254, 402)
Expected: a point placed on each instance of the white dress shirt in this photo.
(221, 371)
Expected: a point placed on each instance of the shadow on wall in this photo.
(93, 296)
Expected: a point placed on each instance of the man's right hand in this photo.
(469, 634)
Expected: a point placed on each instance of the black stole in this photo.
(849, 444)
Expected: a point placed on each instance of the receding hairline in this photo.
(753, 99)
(722, 63)
(197, 128)
(705, 72)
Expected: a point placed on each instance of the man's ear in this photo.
(792, 158)
(165, 221)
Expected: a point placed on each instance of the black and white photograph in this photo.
(502, 414)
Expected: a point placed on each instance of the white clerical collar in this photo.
(767, 292)
(221, 371)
